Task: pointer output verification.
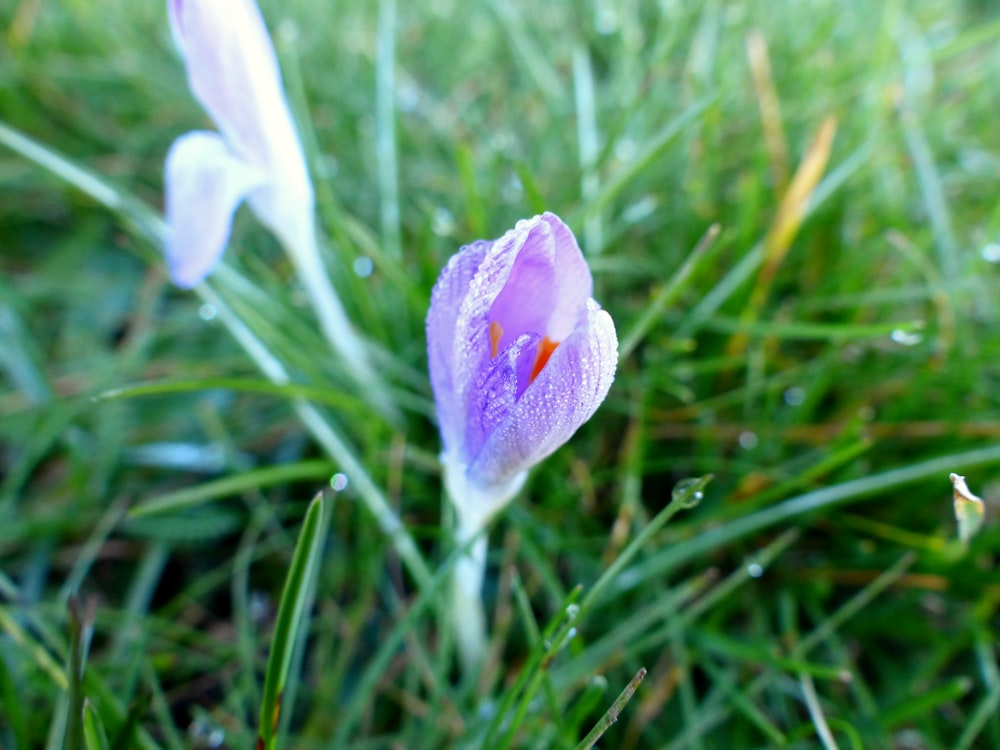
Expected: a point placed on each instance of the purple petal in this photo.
(205, 182)
(565, 394)
(233, 72)
(444, 348)
(547, 286)
(496, 391)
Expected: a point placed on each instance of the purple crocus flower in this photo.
(520, 357)
(256, 155)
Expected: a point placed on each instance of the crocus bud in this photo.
(256, 155)
(520, 357)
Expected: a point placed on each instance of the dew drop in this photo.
(755, 570)
(748, 440)
(207, 312)
(687, 492)
(363, 266)
(572, 611)
(408, 96)
(513, 189)
(906, 338)
(991, 253)
(607, 21)
(795, 396)
(443, 223)
(639, 210)
(339, 482)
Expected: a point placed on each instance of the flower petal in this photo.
(565, 394)
(496, 391)
(547, 285)
(205, 182)
(233, 72)
(444, 348)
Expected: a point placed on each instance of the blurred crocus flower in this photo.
(256, 155)
(520, 357)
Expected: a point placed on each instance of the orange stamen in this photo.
(496, 333)
(545, 348)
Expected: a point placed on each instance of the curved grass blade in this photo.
(227, 486)
(94, 736)
(296, 594)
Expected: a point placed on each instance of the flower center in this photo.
(545, 348)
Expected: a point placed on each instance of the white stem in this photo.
(475, 507)
(467, 611)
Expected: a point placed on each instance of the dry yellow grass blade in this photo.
(770, 110)
(786, 224)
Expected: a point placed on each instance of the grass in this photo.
(789, 209)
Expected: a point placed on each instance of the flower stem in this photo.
(475, 507)
(467, 611)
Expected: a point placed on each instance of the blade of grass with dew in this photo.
(554, 639)
(686, 495)
(612, 714)
(803, 331)
(294, 597)
(852, 491)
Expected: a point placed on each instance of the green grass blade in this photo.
(227, 486)
(611, 716)
(851, 491)
(13, 708)
(294, 598)
(94, 736)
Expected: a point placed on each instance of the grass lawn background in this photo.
(829, 353)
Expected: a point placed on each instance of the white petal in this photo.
(205, 182)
